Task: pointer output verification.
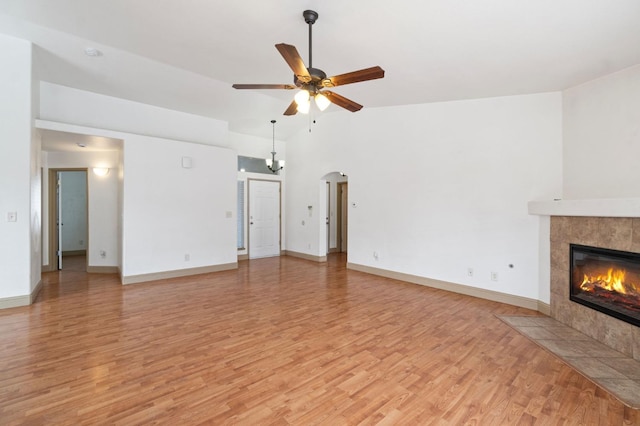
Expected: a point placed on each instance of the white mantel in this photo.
(604, 207)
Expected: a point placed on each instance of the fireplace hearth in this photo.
(606, 280)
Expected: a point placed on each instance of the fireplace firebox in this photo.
(606, 280)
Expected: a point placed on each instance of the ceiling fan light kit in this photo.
(302, 101)
(313, 82)
(322, 102)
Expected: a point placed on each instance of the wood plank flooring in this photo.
(280, 341)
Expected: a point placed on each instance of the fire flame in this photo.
(612, 281)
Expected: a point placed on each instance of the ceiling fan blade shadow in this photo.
(292, 109)
(295, 62)
(341, 101)
(264, 86)
(354, 77)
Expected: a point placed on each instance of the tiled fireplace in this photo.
(615, 233)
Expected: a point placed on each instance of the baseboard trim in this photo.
(544, 308)
(495, 296)
(134, 279)
(305, 256)
(102, 269)
(334, 250)
(15, 301)
(34, 293)
(243, 257)
(48, 268)
(74, 253)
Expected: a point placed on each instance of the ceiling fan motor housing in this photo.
(317, 78)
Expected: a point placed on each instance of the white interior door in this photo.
(264, 218)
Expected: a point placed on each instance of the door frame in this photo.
(248, 218)
(342, 213)
(328, 220)
(53, 215)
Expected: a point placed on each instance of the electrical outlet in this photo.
(494, 276)
(187, 257)
(469, 272)
(103, 254)
(12, 217)
(375, 255)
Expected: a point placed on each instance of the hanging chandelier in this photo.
(272, 164)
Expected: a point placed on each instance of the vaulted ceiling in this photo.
(185, 54)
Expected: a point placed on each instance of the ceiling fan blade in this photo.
(295, 62)
(264, 86)
(292, 109)
(341, 101)
(354, 77)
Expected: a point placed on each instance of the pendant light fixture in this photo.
(272, 164)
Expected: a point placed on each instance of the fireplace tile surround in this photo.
(617, 233)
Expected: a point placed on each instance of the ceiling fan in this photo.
(313, 82)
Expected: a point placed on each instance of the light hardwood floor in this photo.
(280, 341)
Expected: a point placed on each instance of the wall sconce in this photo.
(100, 171)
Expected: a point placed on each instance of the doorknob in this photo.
(250, 223)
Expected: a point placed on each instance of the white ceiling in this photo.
(185, 54)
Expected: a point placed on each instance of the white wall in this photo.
(104, 220)
(437, 188)
(35, 183)
(252, 146)
(81, 108)
(171, 211)
(68, 105)
(120, 204)
(601, 121)
(19, 172)
(102, 206)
